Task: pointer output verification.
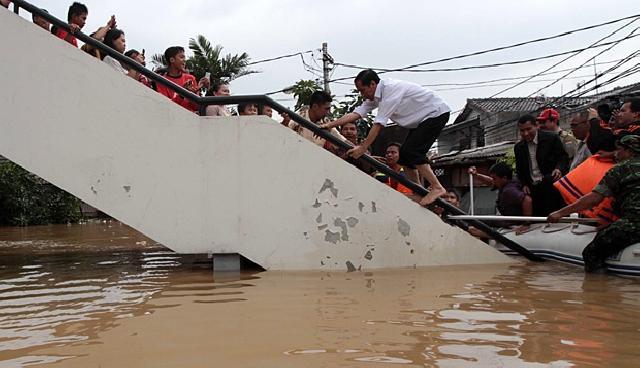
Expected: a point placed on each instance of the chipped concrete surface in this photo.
(328, 184)
(403, 227)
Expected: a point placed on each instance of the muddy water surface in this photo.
(102, 295)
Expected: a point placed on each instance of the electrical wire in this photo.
(563, 34)
(279, 57)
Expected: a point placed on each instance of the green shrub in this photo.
(26, 199)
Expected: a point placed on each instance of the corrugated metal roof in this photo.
(524, 104)
(474, 154)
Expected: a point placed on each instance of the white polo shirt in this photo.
(407, 104)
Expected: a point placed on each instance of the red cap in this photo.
(547, 114)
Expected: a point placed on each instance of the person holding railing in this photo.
(176, 73)
(77, 18)
(409, 105)
(512, 200)
(319, 108)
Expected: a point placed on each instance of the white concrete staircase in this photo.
(204, 185)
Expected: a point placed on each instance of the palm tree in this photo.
(208, 58)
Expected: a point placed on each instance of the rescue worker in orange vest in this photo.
(392, 155)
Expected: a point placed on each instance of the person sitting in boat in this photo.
(580, 125)
(622, 183)
(512, 200)
(540, 160)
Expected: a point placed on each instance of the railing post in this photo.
(16, 8)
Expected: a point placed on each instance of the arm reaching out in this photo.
(349, 118)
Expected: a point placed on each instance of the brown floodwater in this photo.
(102, 295)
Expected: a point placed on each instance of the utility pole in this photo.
(595, 74)
(326, 59)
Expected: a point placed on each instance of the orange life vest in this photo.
(581, 181)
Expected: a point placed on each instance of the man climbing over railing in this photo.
(409, 105)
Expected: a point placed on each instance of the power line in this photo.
(502, 84)
(496, 129)
(503, 79)
(563, 34)
(279, 57)
(569, 57)
(557, 80)
(494, 65)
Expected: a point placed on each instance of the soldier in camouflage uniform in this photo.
(622, 183)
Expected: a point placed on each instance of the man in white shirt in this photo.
(408, 105)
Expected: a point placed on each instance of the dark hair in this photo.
(319, 97)
(243, 106)
(34, 15)
(112, 35)
(76, 9)
(132, 53)
(261, 108)
(634, 103)
(215, 86)
(605, 112)
(367, 76)
(527, 119)
(392, 144)
(349, 123)
(455, 192)
(172, 52)
(501, 170)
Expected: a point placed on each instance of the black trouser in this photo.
(419, 141)
(545, 198)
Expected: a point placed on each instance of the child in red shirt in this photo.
(77, 18)
(177, 74)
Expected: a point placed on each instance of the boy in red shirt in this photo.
(176, 72)
(77, 17)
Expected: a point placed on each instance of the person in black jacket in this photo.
(540, 160)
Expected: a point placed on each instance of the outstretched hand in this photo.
(357, 151)
(554, 217)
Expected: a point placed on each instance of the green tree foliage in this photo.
(26, 199)
(302, 92)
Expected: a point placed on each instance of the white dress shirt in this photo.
(407, 104)
(581, 155)
(536, 175)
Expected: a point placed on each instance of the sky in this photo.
(383, 34)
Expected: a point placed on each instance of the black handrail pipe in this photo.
(266, 100)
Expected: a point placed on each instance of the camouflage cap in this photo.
(630, 142)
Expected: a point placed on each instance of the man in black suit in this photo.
(540, 160)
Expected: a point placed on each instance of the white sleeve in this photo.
(366, 107)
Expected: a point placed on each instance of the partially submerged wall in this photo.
(204, 185)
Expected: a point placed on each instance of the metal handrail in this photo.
(266, 100)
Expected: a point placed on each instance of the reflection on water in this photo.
(73, 296)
